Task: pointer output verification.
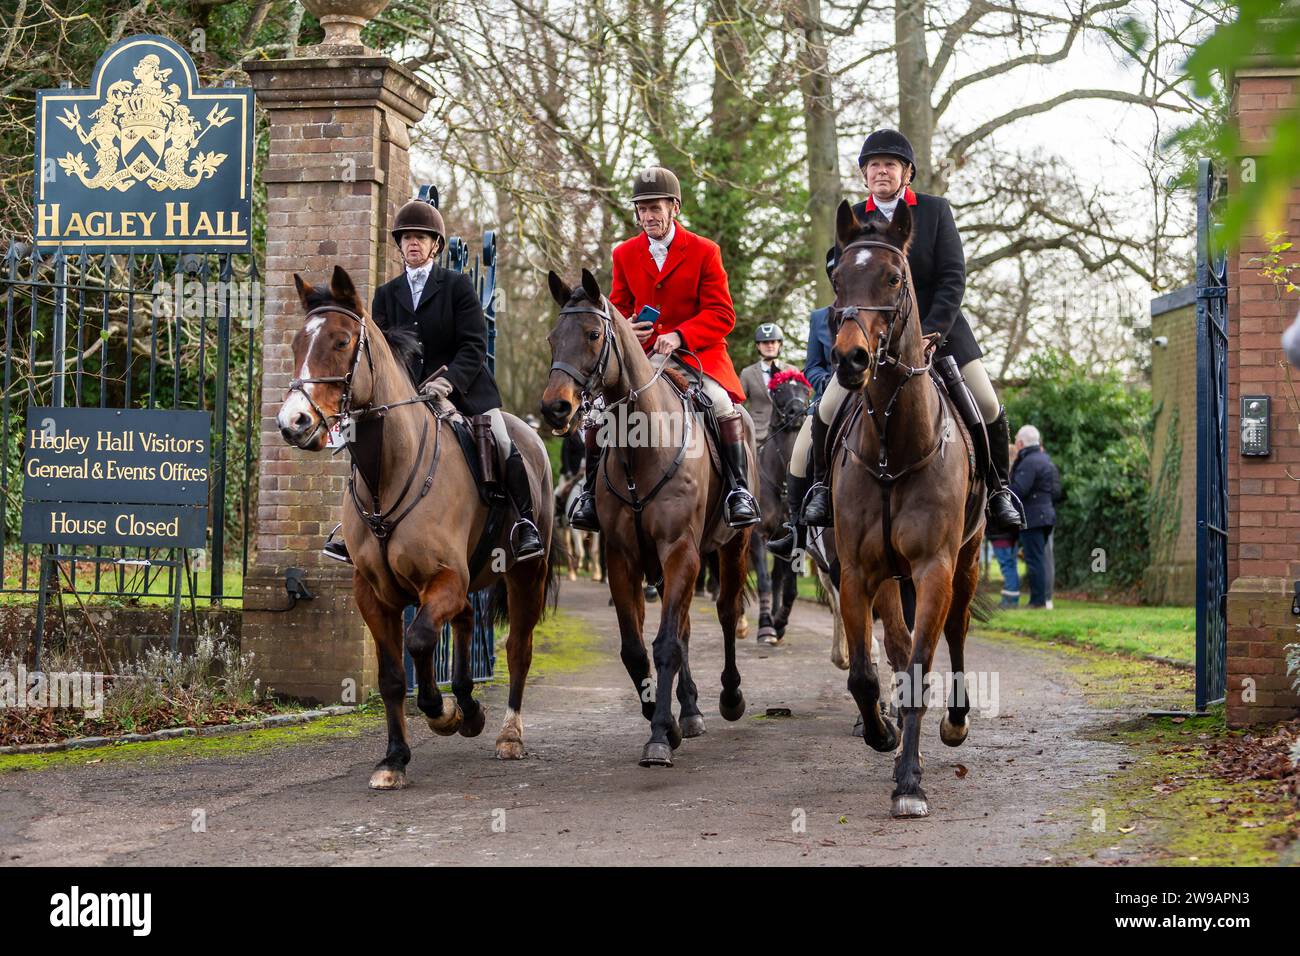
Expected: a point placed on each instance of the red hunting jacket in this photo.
(690, 293)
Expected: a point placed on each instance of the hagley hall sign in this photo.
(144, 160)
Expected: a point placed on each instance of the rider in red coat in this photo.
(680, 274)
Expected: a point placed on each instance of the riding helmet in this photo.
(656, 182)
(832, 259)
(768, 332)
(887, 142)
(418, 216)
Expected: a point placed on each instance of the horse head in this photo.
(874, 311)
(582, 343)
(790, 393)
(330, 377)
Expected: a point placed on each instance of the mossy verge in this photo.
(562, 644)
(1166, 806)
(348, 725)
(1176, 810)
(1111, 680)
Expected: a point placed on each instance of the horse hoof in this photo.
(657, 755)
(732, 710)
(887, 743)
(385, 778)
(449, 721)
(693, 726)
(510, 750)
(909, 806)
(473, 726)
(954, 735)
(767, 635)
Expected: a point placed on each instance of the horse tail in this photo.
(982, 607)
(499, 604)
(558, 555)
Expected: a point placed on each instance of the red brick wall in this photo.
(1264, 504)
(337, 170)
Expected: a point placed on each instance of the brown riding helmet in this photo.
(656, 182)
(418, 216)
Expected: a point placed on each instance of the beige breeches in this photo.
(977, 379)
(722, 404)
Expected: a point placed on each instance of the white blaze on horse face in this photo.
(864, 256)
(299, 400)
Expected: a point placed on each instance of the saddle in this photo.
(851, 414)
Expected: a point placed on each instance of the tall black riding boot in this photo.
(796, 538)
(817, 510)
(583, 513)
(740, 510)
(525, 541)
(1003, 512)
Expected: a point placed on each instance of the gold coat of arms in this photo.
(141, 132)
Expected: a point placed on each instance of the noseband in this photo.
(345, 404)
(899, 310)
(589, 382)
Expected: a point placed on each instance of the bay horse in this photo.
(909, 502)
(790, 393)
(411, 536)
(659, 502)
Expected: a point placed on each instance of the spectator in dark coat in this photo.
(1037, 483)
(817, 367)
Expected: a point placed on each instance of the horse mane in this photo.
(407, 349)
(789, 375)
(679, 378)
(404, 343)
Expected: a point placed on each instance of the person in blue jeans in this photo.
(1004, 549)
(1037, 483)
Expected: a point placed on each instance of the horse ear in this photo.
(591, 286)
(846, 223)
(304, 289)
(900, 229)
(341, 287)
(560, 292)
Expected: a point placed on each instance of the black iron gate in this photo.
(1211, 445)
(94, 328)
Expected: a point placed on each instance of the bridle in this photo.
(380, 522)
(345, 403)
(589, 382)
(883, 356)
(899, 309)
(591, 385)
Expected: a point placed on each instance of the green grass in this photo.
(157, 595)
(1166, 632)
(1160, 632)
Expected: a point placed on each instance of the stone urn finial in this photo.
(343, 20)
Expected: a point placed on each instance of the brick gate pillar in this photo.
(1263, 502)
(338, 168)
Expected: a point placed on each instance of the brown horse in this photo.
(660, 506)
(790, 393)
(908, 500)
(410, 542)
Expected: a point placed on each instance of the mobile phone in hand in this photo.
(649, 314)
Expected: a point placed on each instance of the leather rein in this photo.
(366, 452)
(591, 385)
(884, 357)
